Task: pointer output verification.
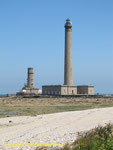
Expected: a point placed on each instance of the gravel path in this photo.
(49, 128)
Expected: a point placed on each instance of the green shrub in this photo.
(100, 138)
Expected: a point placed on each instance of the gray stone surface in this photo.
(85, 89)
(59, 90)
(67, 90)
(30, 80)
(29, 87)
(68, 69)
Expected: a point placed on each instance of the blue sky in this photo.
(32, 35)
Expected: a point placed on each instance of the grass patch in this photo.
(100, 138)
(34, 106)
(36, 110)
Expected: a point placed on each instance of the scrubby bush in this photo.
(100, 138)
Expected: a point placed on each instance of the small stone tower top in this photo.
(68, 24)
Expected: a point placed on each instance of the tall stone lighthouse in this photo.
(68, 88)
(68, 69)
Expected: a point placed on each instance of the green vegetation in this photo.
(100, 138)
(17, 106)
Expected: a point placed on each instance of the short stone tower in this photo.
(28, 88)
(30, 80)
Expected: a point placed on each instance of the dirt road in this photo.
(49, 128)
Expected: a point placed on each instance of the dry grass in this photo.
(35, 106)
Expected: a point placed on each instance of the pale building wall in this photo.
(30, 91)
(59, 90)
(68, 90)
(90, 90)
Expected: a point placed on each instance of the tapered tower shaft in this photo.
(68, 69)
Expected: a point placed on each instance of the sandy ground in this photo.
(49, 128)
